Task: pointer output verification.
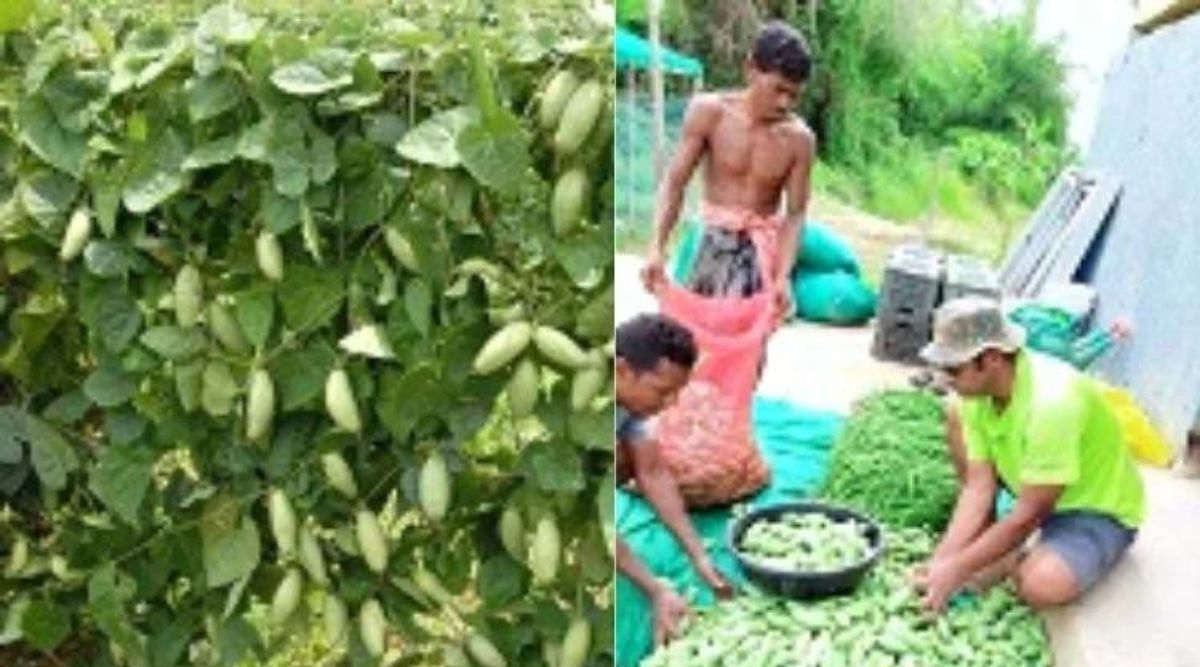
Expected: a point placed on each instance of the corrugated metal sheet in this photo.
(1146, 263)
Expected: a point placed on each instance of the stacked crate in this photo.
(969, 276)
(910, 292)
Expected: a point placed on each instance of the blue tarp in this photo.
(630, 50)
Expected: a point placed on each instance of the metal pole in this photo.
(656, 88)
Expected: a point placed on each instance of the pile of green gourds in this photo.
(880, 625)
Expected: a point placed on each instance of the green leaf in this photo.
(418, 302)
(167, 645)
(368, 199)
(12, 433)
(45, 624)
(106, 200)
(124, 425)
(254, 141)
(67, 408)
(500, 581)
(37, 319)
(157, 172)
(14, 14)
(116, 319)
(305, 79)
(585, 256)
(279, 213)
(174, 343)
(287, 153)
(74, 95)
(384, 129)
(230, 554)
(48, 196)
(324, 156)
(435, 140)
(555, 466)
(108, 593)
(230, 24)
(595, 321)
(170, 57)
(10, 631)
(120, 479)
(310, 295)
(108, 259)
(212, 96)
(51, 51)
(300, 374)
(142, 49)
(592, 429)
(405, 398)
(108, 386)
(255, 311)
(217, 152)
(53, 458)
(219, 389)
(236, 638)
(496, 153)
(41, 131)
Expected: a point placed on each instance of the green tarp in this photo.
(633, 51)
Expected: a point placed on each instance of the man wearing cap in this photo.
(1042, 429)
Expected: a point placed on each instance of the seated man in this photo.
(654, 358)
(1044, 431)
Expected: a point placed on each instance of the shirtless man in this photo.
(754, 149)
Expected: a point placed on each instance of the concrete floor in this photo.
(1146, 614)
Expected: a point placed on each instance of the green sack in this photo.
(1058, 333)
(836, 297)
(824, 251)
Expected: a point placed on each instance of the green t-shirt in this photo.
(1057, 429)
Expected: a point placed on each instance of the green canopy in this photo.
(633, 51)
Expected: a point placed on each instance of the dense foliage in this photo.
(917, 105)
(250, 260)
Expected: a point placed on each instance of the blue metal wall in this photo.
(1146, 262)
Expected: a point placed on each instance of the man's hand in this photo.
(653, 274)
(939, 580)
(783, 300)
(713, 578)
(669, 612)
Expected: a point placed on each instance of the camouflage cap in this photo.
(962, 328)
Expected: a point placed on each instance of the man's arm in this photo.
(946, 576)
(632, 567)
(702, 114)
(1034, 504)
(798, 192)
(659, 488)
(669, 608)
(971, 512)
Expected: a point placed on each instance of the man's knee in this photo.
(1044, 580)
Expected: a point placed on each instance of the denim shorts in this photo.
(1091, 543)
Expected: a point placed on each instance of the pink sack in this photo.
(706, 438)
